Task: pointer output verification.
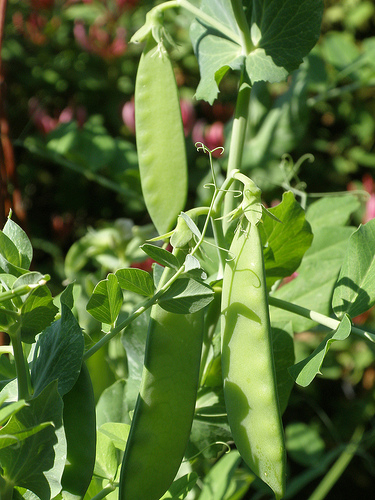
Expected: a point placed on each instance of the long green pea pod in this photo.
(165, 406)
(247, 361)
(80, 430)
(160, 137)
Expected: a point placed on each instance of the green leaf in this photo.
(58, 354)
(106, 300)
(21, 241)
(30, 278)
(215, 52)
(36, 463)
(216, 482)
(10, 259)
(14, 439)
(332, 211)
(186, 296)
(181, 487)
(11, 409)
(355, 288)
(161, 255)
(135, 280)
(306, 370)
(106, 463)
(317, 275)
(37, 312)
(117, 432)
(282, 33)
(304, 444)
(285, 243)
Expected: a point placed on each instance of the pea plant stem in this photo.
(105, 491)
(243, 26)
(23, 374)
(237, 142)
(322, 319)
(339, 466)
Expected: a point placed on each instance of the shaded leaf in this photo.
(106, 300)
(354, 291)
(285, 242)
(36, 463)
(186, 296)
(58, 354)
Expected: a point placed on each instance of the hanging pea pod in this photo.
(165, 406)
(160, 137)
(247, 358)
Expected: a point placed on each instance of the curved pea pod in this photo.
(80, 430)
(165, 406)
(247, 361)
(160, 137)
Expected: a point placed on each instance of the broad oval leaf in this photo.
(106, 300)
(135, 280)
(161, 255)
(186, 296)
(354, 291)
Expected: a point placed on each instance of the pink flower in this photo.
(211, 136)
(188, 115)
(128, 115)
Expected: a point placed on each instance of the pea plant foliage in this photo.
(209, 338)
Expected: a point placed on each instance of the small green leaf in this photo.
(10, 259)
(354, 291)
(135, 280)
(191, 263)
(191, 225)
(181, 487)
(285, 243)
(216, 482)
(304, 444)
(161, 256)
(21, 241)
(106, 300)
(37, 312)
(306, 370)
(11, 409)
(117, 432)
(186, 296)
(106, 463)
(58, 354)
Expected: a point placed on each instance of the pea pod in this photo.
(80, 430)
(247, 360)
(160, 137)
(165, 406)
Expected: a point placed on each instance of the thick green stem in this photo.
(23, 374)
(237, 142)
(339, 466)
(322, 319)
(105, 491)
(242, 24)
